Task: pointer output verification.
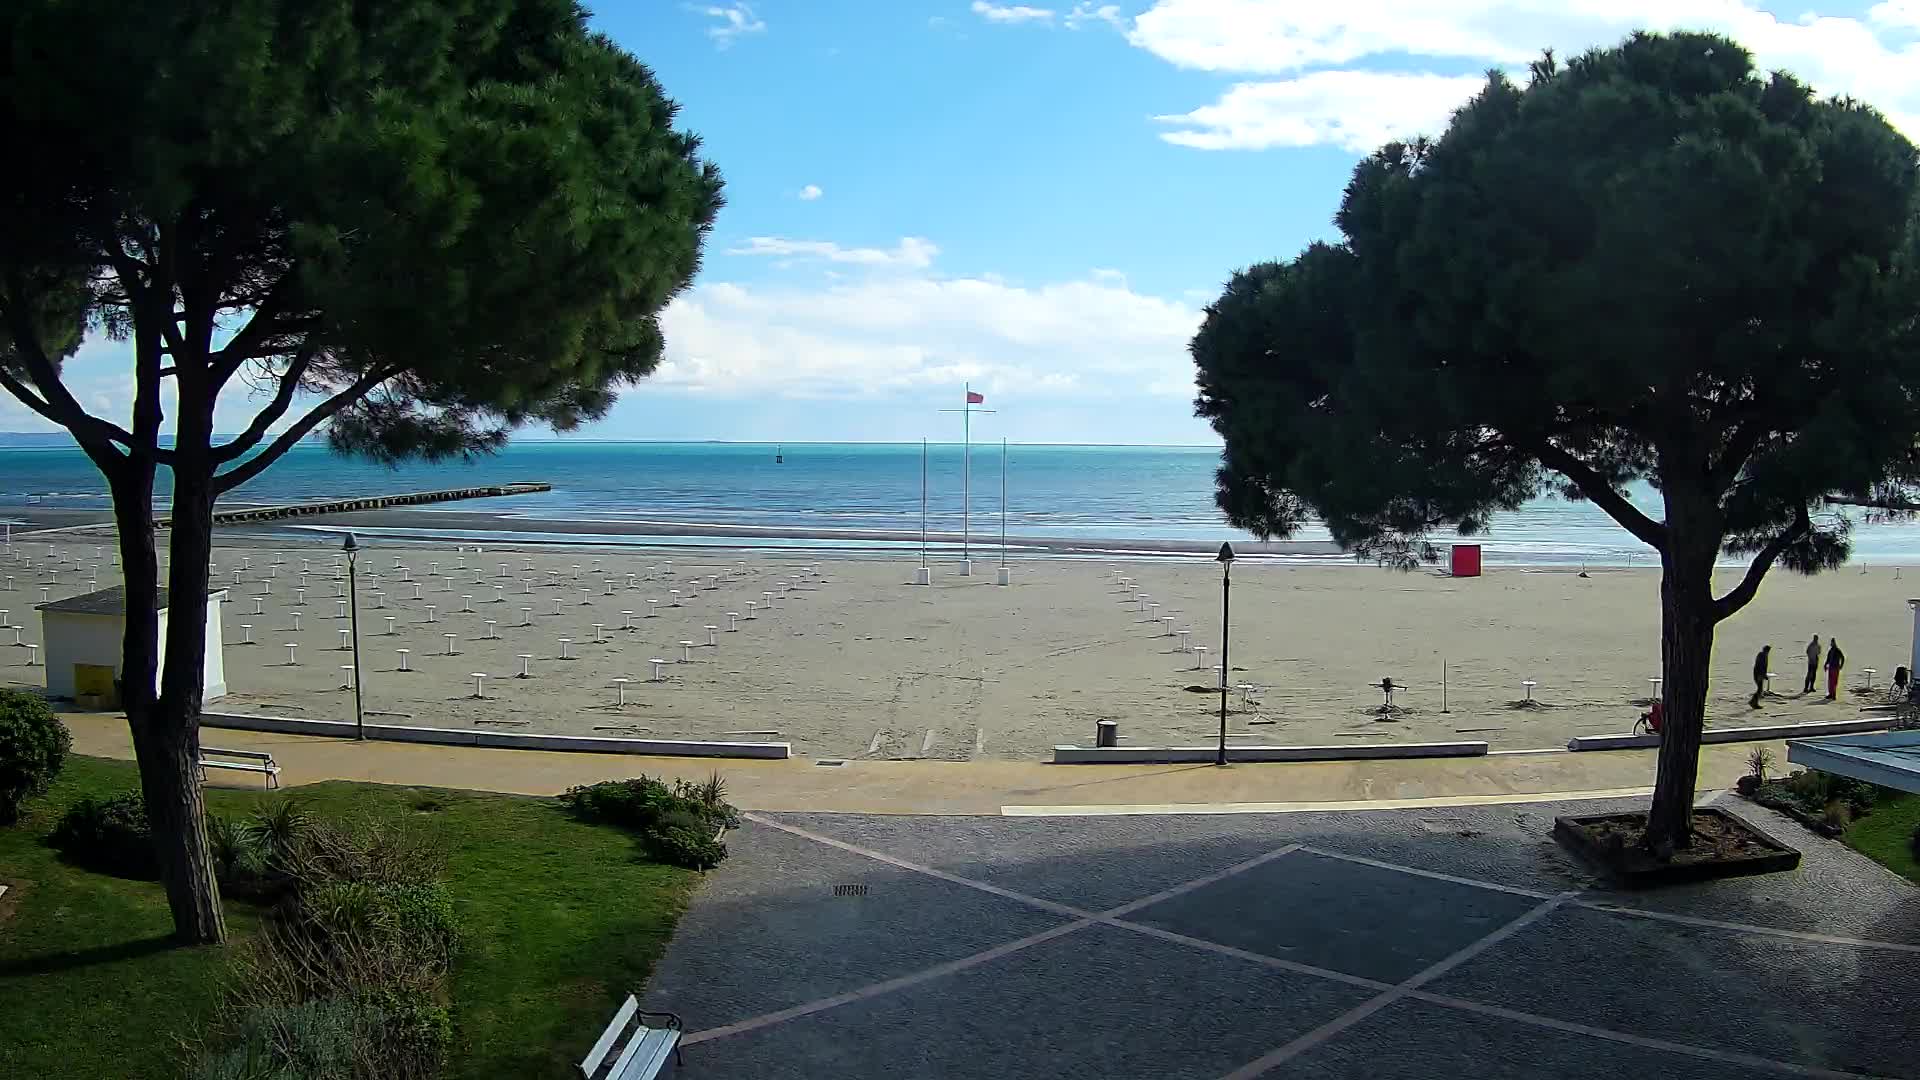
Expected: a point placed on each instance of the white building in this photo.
(82, 635)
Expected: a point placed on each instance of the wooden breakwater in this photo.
(369, 502)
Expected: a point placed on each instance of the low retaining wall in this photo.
(1766, 733)
(1155, 755)
(503, 740)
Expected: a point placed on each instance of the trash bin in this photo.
(1466, 560)
(1107, 733)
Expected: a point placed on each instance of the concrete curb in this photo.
(1767, 733)
(1156, 755)
(504, 740)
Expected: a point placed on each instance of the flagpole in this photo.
(966, 469)
(1003, 500)
(923, 502)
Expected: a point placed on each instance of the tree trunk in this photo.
(1686, 652)
(168, 750)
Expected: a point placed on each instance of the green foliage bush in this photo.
(254, 856)
(111, 835)
(348, 975)
(1833, 801)
(33, 746)
(678, 823)
(333, 1039)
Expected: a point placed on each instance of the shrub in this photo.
(348, 975)
(254, 857)
(371, 850)
(33, 747)
(110, 835)
(695, 848)
(332, 1039)
(1811, 792)
(1759, 762)
(676, 824)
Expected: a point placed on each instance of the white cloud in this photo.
(912, 252)
(1085, 14)
(735, 19)
(1011, 13)
(1093, 338)
(1900, 13)
(811, 192)
(1355, 110)
(1871, 60)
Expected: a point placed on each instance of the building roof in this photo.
(1890, 760)
(105, 602)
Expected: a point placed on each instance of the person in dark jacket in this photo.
(1760, 660)
(1836, 660)
(1813, 663)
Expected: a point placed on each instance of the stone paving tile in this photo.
(1352, 918)
(1099, 862)
(1089, 863)
(1098, 1004)
(1412, 1040)
(766, 931)
(1835, 1006)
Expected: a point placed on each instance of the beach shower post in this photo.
(1226, 586)
(352, 548)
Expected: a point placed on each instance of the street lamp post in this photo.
(1226, 592)
(352, 549)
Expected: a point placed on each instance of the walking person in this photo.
(1835, 661)
(1760, 664)
(1813, 663)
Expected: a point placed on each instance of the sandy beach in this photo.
(853, 660)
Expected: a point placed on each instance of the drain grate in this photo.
(831, 762)
(849, 890)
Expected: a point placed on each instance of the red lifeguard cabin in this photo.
(1466, 560)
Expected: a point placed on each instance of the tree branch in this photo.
(275, 409)
(261, 325)
(253, 466)
(59, 405)
(1740, 446)
(1743, 593)
(1596, 488)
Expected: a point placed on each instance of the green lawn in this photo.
(560, 920)
(1887, 834)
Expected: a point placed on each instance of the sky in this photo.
(1039, 199)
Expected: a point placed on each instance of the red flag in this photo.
(975, 399)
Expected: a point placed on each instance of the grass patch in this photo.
(1886, 836)
(560, 920)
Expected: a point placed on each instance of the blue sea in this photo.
(1089, 493)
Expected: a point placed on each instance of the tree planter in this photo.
(1724, 846)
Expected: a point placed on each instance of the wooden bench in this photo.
(250, 761)
(631, 1048)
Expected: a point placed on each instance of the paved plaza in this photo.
(1415, 944)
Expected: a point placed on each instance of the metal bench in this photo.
(633, 1049)
(251, 761)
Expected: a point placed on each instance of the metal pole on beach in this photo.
(923, 502)
(966, 474)
(1226, 588)
(1003, 500)
(353, 613)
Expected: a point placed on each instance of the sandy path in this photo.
(862, 663)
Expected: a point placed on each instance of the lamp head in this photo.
(350, 545)
(1226, 553)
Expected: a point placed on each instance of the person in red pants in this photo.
(1835, 661)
